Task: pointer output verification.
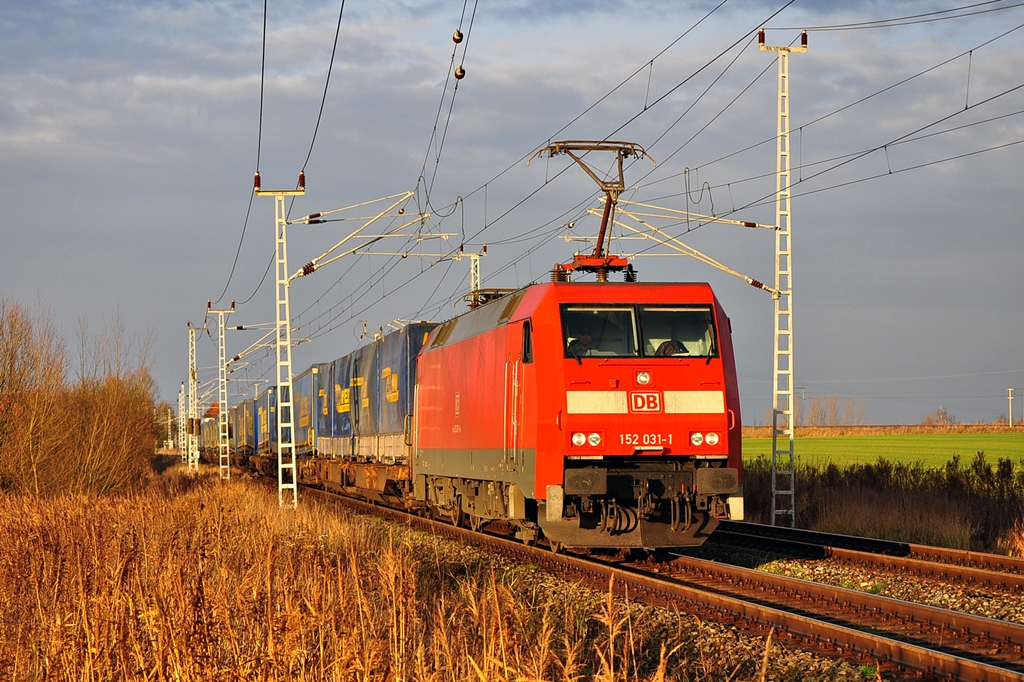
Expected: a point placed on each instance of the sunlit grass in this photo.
(191, 579)
(932, 450)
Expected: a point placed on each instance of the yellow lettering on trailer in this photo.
(343, 399)
(390, 380)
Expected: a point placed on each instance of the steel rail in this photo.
(932, 562)
(717, 604)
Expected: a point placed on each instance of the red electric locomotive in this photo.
(596, 414)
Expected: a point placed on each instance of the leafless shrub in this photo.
(94, 435)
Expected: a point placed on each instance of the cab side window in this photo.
(527, 343)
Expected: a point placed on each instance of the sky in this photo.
(130, 132)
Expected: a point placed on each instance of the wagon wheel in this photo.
(556, 546)
(475, 522)
(458, 516)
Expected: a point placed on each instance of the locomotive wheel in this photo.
(459, 517)
(556, 547)
(475, 522)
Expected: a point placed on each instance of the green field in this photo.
(930, 449)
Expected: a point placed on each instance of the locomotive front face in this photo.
(649, 431)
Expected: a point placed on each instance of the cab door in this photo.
(518, 357)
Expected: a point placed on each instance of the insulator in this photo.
(313, 215)
(630, 274)
(803, 39)
(401, 211)
(240, 327)
(460, 72)
(485, 249)
(308, 268)
(302, 179)
(457, 37)
(256, 180)
(746, 224)
(462, 248)
(236, 358)
(232, 304)
(559, 274)
(602, 274)
(760, 37)
(755, 283)
(209, 305)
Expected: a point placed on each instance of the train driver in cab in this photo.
(583, 344)
(670, 347)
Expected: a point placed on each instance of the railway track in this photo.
(936, 563)
(922, 639)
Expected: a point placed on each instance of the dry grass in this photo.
(1012, 544)
(196, 580)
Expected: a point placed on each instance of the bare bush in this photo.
(94, 435)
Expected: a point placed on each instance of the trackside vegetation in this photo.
(191, 579)
(975, 504)
(93, 433)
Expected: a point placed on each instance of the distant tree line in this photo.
(826, 410)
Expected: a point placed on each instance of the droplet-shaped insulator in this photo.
(460, 72)
(457, 37)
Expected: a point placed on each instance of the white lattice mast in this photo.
(287, 481)
(193, 404)
(181, 423)
(783, 408)
(224, 457)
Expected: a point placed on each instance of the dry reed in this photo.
(196, 580)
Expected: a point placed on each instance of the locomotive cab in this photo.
(649, 437)
(600, 414)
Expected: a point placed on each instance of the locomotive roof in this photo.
(524, 302)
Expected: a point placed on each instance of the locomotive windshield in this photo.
(606, 331)
(663, 331)
(678, 331)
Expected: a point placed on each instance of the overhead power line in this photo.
(912, 19)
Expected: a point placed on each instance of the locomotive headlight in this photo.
(711, 439)
(696, 438)
(643, 378)
(579, 439)
(594, 439)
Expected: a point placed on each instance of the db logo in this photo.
(645, 402)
